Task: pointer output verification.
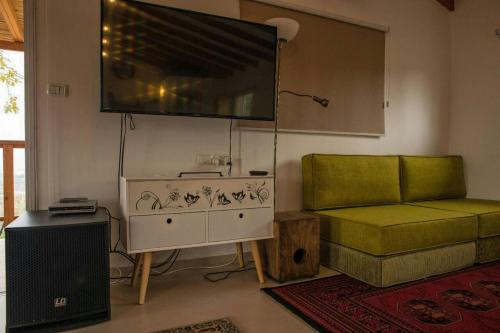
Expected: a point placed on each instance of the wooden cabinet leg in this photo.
(146, 268)
(239, 250)
(137, 268)
(257, 260)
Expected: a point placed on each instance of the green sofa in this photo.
(392, 219)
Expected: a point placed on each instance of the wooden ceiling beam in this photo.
(12, 46)
(8, 13)
(450, 4)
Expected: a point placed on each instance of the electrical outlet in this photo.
(57, 89)
(215, 160)
(224, 159)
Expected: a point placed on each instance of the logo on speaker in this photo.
(60, 302)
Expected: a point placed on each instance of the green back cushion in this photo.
(334, 181)
(430, 178)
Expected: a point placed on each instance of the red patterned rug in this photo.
(462, 302)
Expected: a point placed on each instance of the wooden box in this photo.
(294, 252)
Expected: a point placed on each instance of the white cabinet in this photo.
(226, 225)
(157, 231)
(161, 214)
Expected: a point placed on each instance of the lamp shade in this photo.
(287, 28)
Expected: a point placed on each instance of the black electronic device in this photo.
(77, 199)
(258, 173)
(57, 270)
(169, 61)
(73, 206)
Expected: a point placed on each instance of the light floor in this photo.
(186, 298)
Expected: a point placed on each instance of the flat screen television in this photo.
(168, 61)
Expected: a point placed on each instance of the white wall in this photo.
(78, 145)
(475, 94)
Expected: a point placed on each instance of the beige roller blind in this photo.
(340, 61)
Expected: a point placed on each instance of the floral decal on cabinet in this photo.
(191, 199)
(255, 191)
(223, 200)
(209, 195)
(147, 196)
(239, 196)
(258, 191)
(172, 197)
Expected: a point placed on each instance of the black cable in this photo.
(324, 102)
(294, 93)
(109, 213)
(169, 267)
(230, 163)
(110, 218)
(122, 157)
(113, 250)
(120, 153)
(109, 226)
(123, 137)
(131, 122)
(152, 267)
(225, 274)
(123, 254)
(119, 236)
(166, 261)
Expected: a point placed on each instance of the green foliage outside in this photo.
(9, 77)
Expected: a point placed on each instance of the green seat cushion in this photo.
(487, 211)
(333, 181)
(430, 178)
(392, 229)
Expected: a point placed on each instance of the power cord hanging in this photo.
(230, 162)
(123, 137)
(120, 153)
(114, 250)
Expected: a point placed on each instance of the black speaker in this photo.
(57, 271)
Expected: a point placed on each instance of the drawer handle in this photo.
(241, 215)
(169, 220)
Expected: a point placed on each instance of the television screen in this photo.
(167, 61)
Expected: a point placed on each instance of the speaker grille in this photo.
(56, 273)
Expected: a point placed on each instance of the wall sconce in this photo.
(287, 28)
(320, 100)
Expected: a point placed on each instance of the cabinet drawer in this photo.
(240, 223)
(156, 231)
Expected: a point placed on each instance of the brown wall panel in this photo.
(340, 61)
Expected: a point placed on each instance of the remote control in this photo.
(258, 173)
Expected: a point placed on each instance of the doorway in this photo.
(12, 120)
(12, 112)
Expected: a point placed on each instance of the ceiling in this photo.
(11, 25)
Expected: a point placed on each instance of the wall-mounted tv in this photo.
(168, 61)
